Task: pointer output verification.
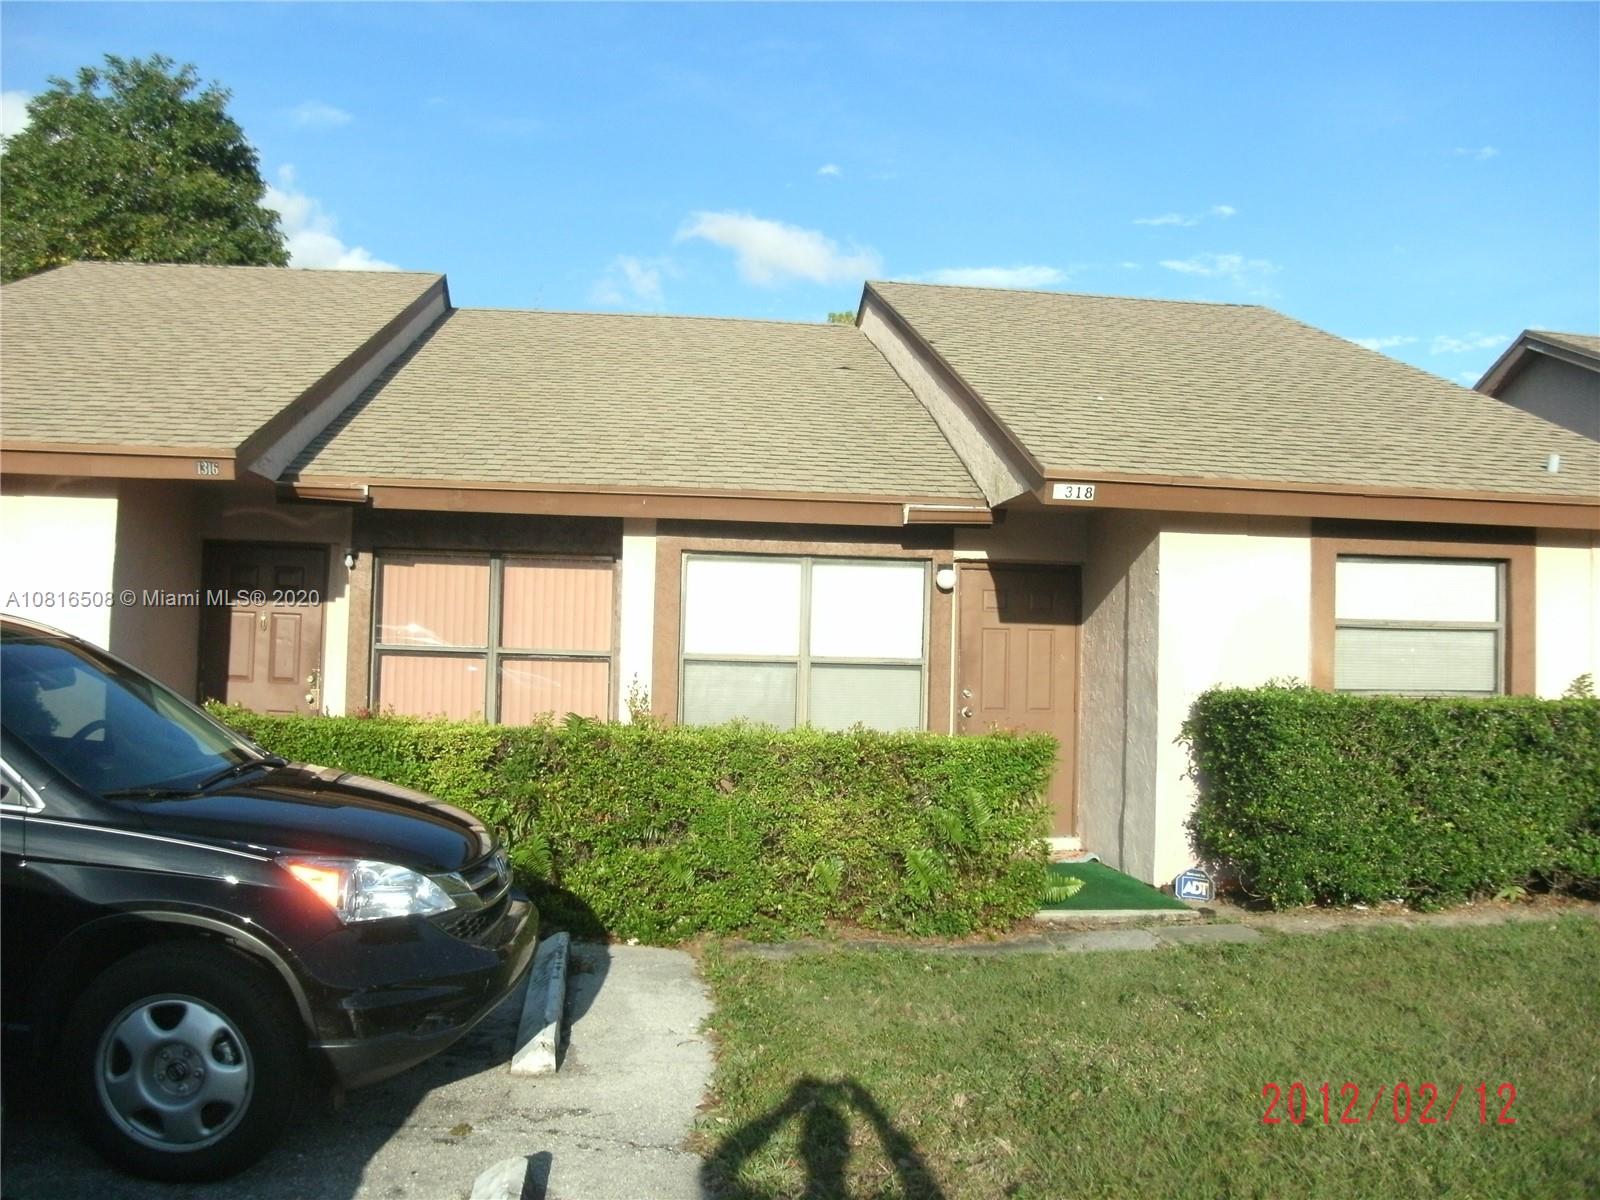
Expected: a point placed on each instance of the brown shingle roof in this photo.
(642, 401)
(143, 354)
(1220, 391)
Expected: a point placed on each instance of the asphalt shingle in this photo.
(138, 354)
(642, 402)
(1223, 391)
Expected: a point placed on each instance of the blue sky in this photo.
(1423, 177)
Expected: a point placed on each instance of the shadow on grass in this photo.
(824, 1111)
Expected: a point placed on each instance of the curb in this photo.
(543, 1008)
(506, 1180)
(1113, 916)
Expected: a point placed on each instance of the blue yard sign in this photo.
(1194, 884)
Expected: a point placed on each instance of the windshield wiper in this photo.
(146, 793)
(211, 781)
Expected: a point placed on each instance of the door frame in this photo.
(1067, 760)
(209, 545)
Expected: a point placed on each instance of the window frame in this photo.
(803, 660)
(494, 652)
(1335, 538)
(1497, 626)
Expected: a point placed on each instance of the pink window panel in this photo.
(433, 600)
(431, 685)
(557, 605)
(533, 688)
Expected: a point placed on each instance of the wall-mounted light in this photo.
(945, 579)
(1553, 464)
(349, 560)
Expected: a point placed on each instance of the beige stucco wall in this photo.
(1117, 712)
(1557, 391)
(1567, 609)
(637, 615)
(157, 559)
(1235, 611)
(59, 536)
(245, 513)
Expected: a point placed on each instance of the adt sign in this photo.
(1194, 884)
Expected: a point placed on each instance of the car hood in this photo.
(300, 809)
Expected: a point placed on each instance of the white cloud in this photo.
(309, 231)
(1236, 267)
(829, 169)
(771, 252)
(1189, 220)
(317, 115)
(1445, 344)
(13, 112)
(630, 280)
(1480, 153)
(1385, 343)
(1032, 276)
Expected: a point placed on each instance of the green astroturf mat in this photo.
(1103, 888)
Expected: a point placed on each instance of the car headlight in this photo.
(360, 889)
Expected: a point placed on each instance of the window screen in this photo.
(802, 641)
(1419, 626)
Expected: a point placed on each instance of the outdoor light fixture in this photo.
(945, 579)
(349, 560)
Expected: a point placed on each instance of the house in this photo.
(1552, 375)
(976, 508)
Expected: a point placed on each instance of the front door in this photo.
(261, 638)
(1018, 663)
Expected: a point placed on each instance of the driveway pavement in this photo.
(609, 1126)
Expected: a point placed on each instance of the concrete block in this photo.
(543, 1008)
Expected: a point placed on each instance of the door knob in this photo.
(966, 712)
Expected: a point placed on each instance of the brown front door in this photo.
(1018, 663)
(261, 639)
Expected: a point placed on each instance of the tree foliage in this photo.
(848, 317)
(137, 161)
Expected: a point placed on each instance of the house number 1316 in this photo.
(204, 466)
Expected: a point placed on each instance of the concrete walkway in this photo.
(1057, 941)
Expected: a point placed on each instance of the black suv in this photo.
(191, 924)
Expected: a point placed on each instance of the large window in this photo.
(804, 641)
(1419, 625)
(493, 636)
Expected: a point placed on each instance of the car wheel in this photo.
(184, 1062)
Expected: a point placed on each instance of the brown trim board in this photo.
(1515, 547)
(664, 504)
(117, 462)
(1271, 498)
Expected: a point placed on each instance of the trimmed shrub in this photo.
(662, 832)
(1314, 796)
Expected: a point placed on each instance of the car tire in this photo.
(184, 1062)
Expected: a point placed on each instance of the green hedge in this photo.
(1312, 796)
(662, 832)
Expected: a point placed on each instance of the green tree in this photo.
(134, 161)
(842, 318)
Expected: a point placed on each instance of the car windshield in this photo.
(105, 727)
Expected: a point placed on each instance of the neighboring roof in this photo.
(152, 355)
(642, 402)
(1579, 349)
(1232, 392)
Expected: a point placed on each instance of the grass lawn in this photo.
(878, 1074)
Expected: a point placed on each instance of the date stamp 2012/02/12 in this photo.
(1400, 1102)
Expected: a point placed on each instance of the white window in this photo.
(1424, 626)
(802, 641)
